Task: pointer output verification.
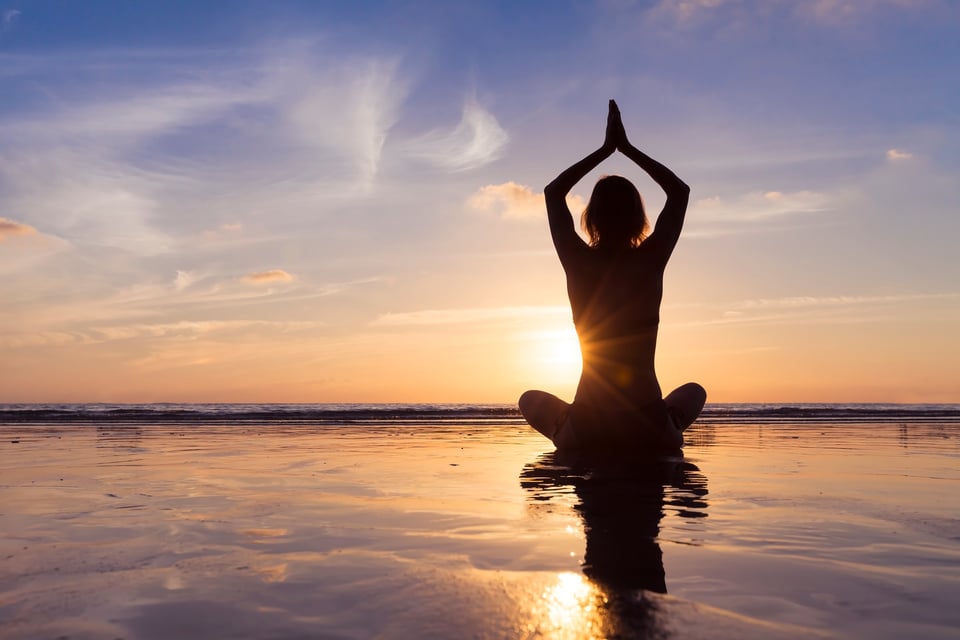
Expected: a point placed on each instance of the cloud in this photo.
(131, 115)
(183, 329)
(432, 317)
(85, 192)
(514, 201)
(230, 232)
(8, 18)
(684, 10)
(346, 109)
(757, 205)
(183, 280)
(821, 11)
(129, 165)
(809, 309)
(9, 229)
(191, 328)
(843, 10)
(266, 277)
(72, 309)
(478, 139)
(23, 249)
(90, 202)
(794, 302)
(895, 155)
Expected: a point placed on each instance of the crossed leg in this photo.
(547, 413)
(544, 411)
(685, 403)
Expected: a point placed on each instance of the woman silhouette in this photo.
(615, 284)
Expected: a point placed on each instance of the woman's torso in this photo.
(615, 298)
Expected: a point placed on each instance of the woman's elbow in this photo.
(679, 192)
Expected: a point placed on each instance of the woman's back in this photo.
(615, 299)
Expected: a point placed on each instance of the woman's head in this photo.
(615, 216)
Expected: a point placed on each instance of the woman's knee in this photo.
(528, 400)
(696, 392)
(535, 404)
(689, 392)
(686, 402)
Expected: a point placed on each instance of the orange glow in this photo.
(557, 354)
(484, 354)
(568, 608)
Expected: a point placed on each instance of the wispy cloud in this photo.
(896, 155)
(684, 10)
(514, 201)
(131, 115)
(183, 329)
(757, 206)
(476, 140)
(122, 166)
(86, 189)
(100, 209)
(815, 309)
(183, 280)
(267, 277)
(8, 18)
(80, 316)
(795, 302)
(190, 328)
(431, 317)
(9, 229)
(23, 250)
(346, 109)
(831, 12)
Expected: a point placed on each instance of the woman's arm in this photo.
(562, 230)
(670, 221)
(668, 180)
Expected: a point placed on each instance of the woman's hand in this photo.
(616, 137)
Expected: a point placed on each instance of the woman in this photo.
(615, 284)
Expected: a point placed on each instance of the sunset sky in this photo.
(342, 202)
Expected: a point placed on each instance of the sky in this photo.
(342, 202)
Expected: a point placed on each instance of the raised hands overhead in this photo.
(616, 137)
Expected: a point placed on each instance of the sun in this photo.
(557, 353)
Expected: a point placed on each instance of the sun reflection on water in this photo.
(569, 608)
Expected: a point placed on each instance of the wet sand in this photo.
(470, 530)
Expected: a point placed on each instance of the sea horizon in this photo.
(427, 413)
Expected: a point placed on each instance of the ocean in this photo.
(283, 521)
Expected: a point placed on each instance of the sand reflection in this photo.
(621, 505)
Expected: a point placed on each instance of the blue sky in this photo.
(327, 202)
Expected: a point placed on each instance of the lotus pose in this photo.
(615, 284)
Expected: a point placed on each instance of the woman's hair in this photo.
(615, 214)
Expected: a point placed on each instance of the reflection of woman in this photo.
(615, 284)
(621, 506)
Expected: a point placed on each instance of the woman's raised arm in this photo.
(670, 221)
(562, 230)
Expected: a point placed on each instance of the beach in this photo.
(465, 524)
